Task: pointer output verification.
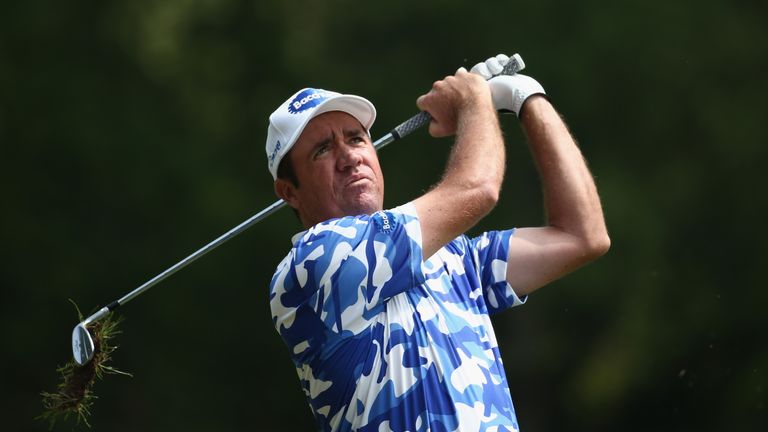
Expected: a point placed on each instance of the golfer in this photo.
(386, 312)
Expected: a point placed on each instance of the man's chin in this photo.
(364, 204)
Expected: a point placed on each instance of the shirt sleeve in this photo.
(492, 252)
(343, 271)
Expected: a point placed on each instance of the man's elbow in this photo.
(488, 195)
(476, 198)
(482, 198)
(597, 244)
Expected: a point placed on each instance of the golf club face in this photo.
(82, 345)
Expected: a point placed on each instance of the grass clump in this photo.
(74, 395)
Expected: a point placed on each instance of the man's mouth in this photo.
(357, 179)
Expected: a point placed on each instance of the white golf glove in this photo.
(491, 67)
(509, 92)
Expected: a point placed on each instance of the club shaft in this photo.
(514, 65)
(277, 205)
(202, 251)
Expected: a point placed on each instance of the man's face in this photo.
(337, 169)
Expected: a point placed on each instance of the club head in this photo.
(82, 345)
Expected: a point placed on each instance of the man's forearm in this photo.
(472, 178)
(570, 195)
(477, 157)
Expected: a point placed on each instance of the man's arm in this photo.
(469, 189)
(575, 233)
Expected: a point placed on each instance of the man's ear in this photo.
(287, 191)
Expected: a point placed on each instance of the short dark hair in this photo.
(285, 170)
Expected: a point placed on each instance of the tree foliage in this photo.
(131, 133)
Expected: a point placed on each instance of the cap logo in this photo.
(274, 153)
(307, 99)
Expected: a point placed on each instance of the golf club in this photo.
(82, 342)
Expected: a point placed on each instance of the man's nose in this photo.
(349, 157)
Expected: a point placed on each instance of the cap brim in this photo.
(356, 106)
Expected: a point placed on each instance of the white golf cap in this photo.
(290, 119)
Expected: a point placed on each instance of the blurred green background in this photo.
(131, 134)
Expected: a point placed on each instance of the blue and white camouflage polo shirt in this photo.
(385, 342)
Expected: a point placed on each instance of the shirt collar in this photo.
(297, 236)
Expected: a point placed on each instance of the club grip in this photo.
(513, 66)
(411, 124)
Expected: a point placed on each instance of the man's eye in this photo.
(320, 150)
